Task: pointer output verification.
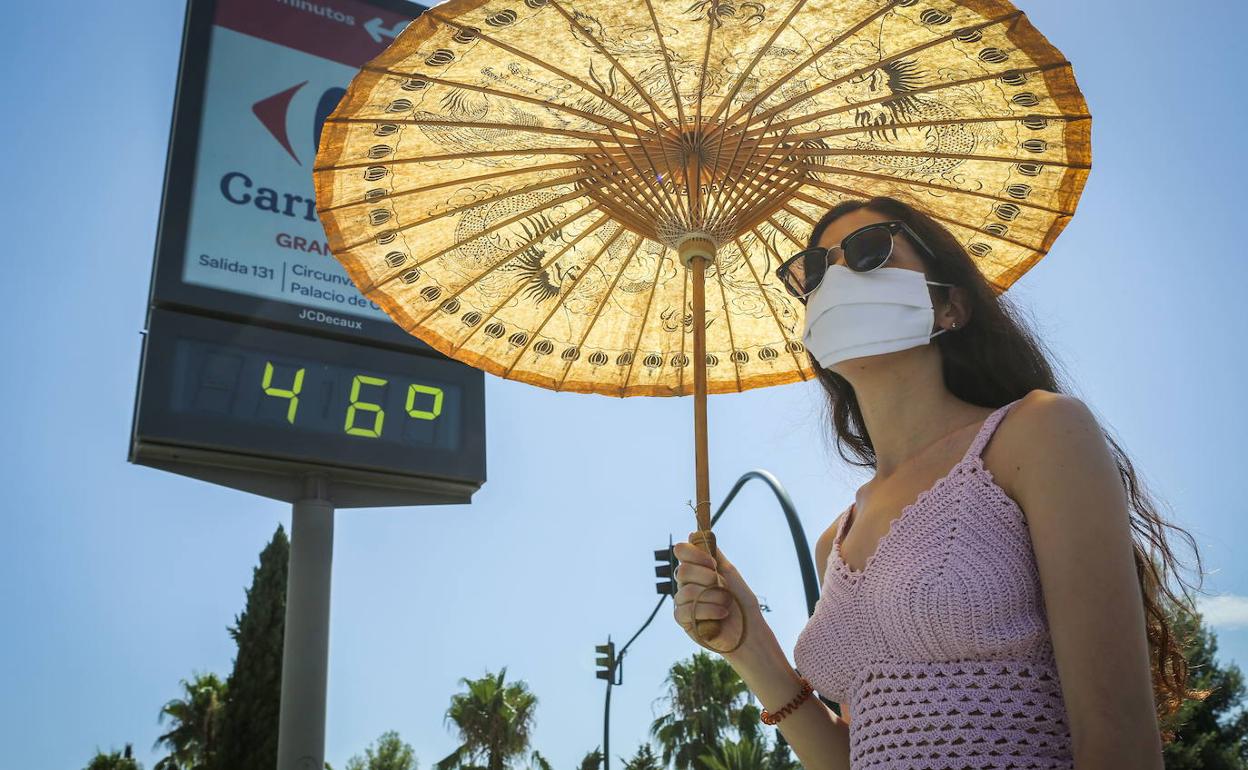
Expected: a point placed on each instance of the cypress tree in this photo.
(254, 690)
(1211, 733)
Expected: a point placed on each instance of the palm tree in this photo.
(745, 754)
(644, 759)
(705, 698)
(195, 720)
(539, 762)
(495, 723)
(391, 753)
(592, 760)
(116, 760)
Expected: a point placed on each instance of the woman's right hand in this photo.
(696, 577)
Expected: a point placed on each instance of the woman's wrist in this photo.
(763, 666)
(759, 648)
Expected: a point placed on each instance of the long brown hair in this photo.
(991, 362)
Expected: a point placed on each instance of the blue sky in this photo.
(120, 580)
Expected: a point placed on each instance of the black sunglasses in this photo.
(865, 249)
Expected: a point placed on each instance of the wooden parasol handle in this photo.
(695, 253)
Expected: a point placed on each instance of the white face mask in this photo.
(854, 314)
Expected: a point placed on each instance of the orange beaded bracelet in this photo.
(788, 708)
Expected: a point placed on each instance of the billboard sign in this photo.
(239, 233)
(263, 364)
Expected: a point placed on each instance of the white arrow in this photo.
(376, 28)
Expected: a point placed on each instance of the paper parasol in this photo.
(593, 195)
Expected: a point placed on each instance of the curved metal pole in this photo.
(804, 560)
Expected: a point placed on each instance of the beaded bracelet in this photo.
(788, 708)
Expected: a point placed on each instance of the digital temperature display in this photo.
(232, 382)
(254, 390)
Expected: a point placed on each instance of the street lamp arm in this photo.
(804, 560)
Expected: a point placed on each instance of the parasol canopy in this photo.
(593, 195)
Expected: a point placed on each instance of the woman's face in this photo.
(904, 254)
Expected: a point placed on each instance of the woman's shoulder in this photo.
(1041, 427)
(1054, 413)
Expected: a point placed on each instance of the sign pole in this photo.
(305, 646)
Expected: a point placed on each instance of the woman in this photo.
(984, 604)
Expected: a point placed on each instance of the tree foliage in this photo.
(195, 725)
(494, 722)
(743, 754)
(114, 760)
(712, 722)
(391, 753)
(254, 689)
(644, 759)
(1210, 733)
(592, 760)
(705, 699)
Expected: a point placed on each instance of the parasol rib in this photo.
(528, 244)
(601, 302)
(623, 108)
(732, 340)
(768, 246)
(467, 206)
(758, 56)
(755, 191)
(932, 154)
(667, 62)
(451, 183)
(959, 223)
(780, 229)
(717, 192)
(491, 229)
(800, 214)
(724, 200)
(557, 306)
(851, 130)
(545, 103)
(658, 193)
(499, 306)
(671, 177)
(641, 330)
(623, 205)
(764, 207)
(643, 93)
(814, 116)
(761, 96)
(654, 196)
(443, 123)
(811, 93)
(762, 290)
(694, 187)
(932, 185)
(519, 152)
(737, 194)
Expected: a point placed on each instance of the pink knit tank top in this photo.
(940, 645)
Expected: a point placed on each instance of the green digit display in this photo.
(364, 406)
(419, 414)
(292, 394)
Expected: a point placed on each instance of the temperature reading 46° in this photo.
(363, 402)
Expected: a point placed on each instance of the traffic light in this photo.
(664, 570)
(607, 664)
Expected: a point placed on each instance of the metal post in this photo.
(606, 730)
(305, 647)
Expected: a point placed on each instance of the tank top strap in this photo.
(987, 429)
